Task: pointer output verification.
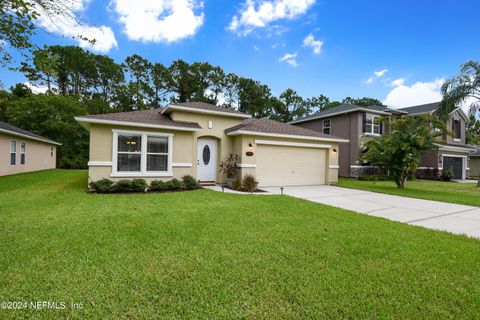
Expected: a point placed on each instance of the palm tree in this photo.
(464, 88)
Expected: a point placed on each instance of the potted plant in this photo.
(229, 167)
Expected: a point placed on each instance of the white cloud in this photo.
(369, 80)
(159, 20)
(380, 73)
(256, 48)
(259, 13)
(398, 82)
(376, 74)
(418, 93)
(316, 45)
(67, 25)
(290, 58)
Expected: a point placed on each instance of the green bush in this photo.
(101, 186)
(158, 185)
(139, 185)
(174, 184)
(447, 174)
(189, 182)
(135, 185)
(249, 183)
(237, 184)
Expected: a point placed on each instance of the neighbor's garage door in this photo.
(290, 166)
(456, 164)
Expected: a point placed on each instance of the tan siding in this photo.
(37, 157)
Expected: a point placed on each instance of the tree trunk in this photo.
(400, 182)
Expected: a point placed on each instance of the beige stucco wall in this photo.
(37, 156)
(185, 147)
(101, 139)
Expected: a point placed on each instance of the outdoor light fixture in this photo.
(334, 150)
(223, 188)
(281, 190)
(249, 152)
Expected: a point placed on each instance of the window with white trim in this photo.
(22, 152)
(138, 153)
(327, 124)
(13, 152)
(371, 124)
(157, 153)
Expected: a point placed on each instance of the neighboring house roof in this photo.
(422, 108)
(151, 118)
(456, 147)
(15, 131)
(269, 127)
(202, 107)
(347, 108)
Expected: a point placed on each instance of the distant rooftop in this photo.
(422, 108)
(10, 129)
(346, 108)
(264, 125)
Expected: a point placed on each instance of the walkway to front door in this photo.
(206, 160)
(449, 217)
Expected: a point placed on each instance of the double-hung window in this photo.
(142, 153)
(22, 152)
(327, 124)
(371, 124)
(13, 152)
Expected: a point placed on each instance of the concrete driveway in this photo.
(455, 218)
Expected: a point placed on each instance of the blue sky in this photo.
(396, 51)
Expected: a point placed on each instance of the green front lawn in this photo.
(453, 192)
(203, 254)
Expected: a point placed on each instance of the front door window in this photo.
(206, 155)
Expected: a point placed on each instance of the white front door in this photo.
(206, 159)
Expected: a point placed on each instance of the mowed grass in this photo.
(203, 254)
(453, 192)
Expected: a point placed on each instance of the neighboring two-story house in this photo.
(358, 124)
(452, 150)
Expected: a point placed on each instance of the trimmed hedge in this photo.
(102, 186)
(140, 185)
(189, 182)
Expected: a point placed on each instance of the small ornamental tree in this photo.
(399, 152)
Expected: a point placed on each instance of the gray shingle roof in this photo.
(423, 108)
(207, 106)
(151, 116)
(345, 108)
(15, 130)
(264, 125)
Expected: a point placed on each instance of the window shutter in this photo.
(364, 123)
(381, 127)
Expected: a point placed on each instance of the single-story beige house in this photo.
(193, 138)
(24, 151)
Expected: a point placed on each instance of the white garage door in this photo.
(290, 166)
